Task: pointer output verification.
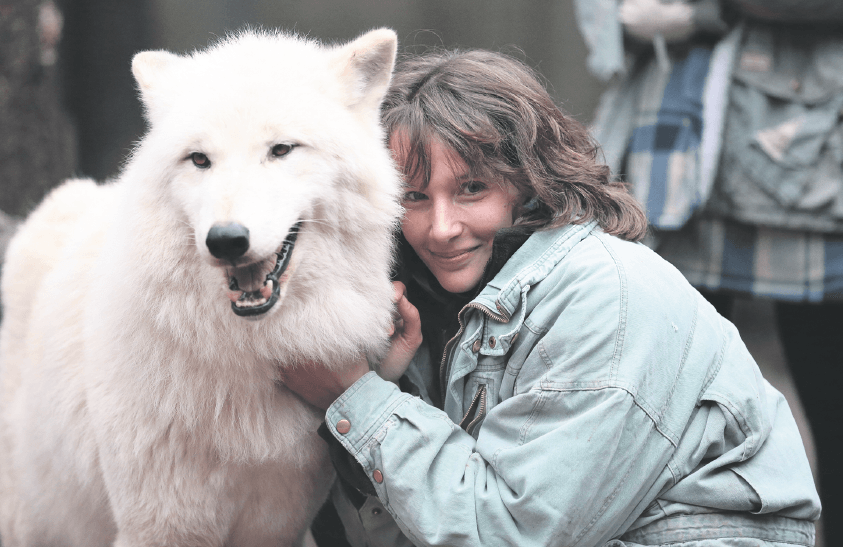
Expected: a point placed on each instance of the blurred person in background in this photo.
(725, 118)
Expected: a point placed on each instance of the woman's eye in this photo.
(414, 196)
(280, 150)
(200, 160)
(473, 187)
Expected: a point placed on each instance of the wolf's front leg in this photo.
(168, 495)
(182, 499)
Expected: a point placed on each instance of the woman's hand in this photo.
(320, 386)
(645, 19)
(405, 338)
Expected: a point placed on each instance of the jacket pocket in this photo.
(782, 162)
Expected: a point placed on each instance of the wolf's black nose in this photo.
(228, 241)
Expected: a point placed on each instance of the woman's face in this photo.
(452, 222)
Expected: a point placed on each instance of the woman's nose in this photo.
(445, 223)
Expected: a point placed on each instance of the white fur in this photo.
(137, 408)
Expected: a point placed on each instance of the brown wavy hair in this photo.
(492, 110)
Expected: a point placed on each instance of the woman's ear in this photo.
(523, 206)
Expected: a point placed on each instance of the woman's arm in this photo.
(550, 466)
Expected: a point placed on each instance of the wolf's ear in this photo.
(366, 67)
(149, 68)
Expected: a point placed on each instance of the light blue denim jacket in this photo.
(598, 394)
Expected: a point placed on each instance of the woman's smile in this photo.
(453, 256)
(451, 262)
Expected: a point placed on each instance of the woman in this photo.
(572, 388)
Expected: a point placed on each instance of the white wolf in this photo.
(146, 321)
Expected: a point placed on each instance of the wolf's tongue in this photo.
(266, 290)
(235, 294)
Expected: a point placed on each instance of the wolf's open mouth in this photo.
(259, 301)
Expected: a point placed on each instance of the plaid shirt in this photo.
(662, 161)
(720, 254)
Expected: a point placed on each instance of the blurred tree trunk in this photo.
(65, 70)
(37, 143)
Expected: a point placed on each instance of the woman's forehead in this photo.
(419, 159)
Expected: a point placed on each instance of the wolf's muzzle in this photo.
(259, 302)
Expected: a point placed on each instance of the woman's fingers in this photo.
(409, 322)
(399, 291)
(405, 336)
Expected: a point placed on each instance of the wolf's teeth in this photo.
(250, 303)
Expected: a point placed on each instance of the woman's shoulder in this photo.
(585, 256)
(624, 317)
(587, 275)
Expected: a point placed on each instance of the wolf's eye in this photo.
(200, 160)
(281, 150)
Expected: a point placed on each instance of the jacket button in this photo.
(492, 341)
(343, 427)
(376, 511)
(475, 347)
(377, 475)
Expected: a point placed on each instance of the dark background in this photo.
(81, 116)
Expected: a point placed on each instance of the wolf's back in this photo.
(33, 250)
(72, 212)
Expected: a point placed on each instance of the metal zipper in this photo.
(443, 372)
(481, 411)
(476, 408)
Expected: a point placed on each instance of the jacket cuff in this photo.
(356, 417)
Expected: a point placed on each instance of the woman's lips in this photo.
(451, 258)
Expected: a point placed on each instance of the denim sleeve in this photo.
(531, 478)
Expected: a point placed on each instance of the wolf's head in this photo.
(266, 142)
(264, 184)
